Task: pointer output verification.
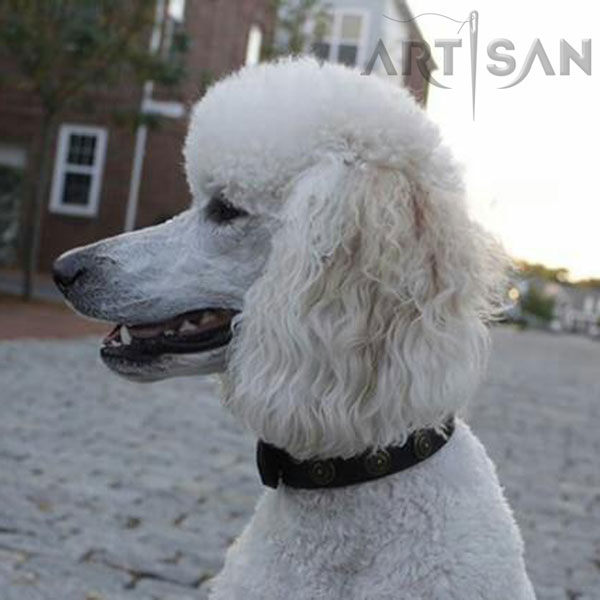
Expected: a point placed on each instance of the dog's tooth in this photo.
(187, 326)
(169, 332)
(125, 335)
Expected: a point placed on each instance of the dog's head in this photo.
(329, 240)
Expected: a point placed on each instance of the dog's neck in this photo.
(277, 467)
(307, 431)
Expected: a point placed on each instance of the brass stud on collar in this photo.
(322, 472)
(423, 445)
(378, 464)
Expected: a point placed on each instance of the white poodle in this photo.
(329, 242)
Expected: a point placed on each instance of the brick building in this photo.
(106, 178)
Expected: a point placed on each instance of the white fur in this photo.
(367, 324)
(364, 288)
(439, 531)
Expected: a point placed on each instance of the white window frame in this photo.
(62, 167)
(335, 40)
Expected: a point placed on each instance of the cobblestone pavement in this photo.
(116, 491)
(539, 417)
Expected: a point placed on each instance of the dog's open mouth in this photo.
(192, 332)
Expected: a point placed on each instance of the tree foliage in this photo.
(593, 283)
(62, 48)
(538, 304)
(540, 271)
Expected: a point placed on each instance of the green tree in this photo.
(527, 269)
(61, 50)
(538, 304)
(589, 283)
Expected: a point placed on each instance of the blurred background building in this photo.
(107, 177)
(107, 173)
(543, 298)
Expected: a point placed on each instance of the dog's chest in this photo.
(330, 546)
(441, 530)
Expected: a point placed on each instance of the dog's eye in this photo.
(220, 210)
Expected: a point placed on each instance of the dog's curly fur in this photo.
(371, 308)
(367, 323)
(364, 289)
(380, 329)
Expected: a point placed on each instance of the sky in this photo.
(531, 153)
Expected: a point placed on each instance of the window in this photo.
(254, 45)
(341, 37)
(78, 170)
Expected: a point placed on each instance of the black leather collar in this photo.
(276, 465)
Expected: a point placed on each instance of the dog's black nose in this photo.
(66, 270)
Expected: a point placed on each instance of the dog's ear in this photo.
(369, 319)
